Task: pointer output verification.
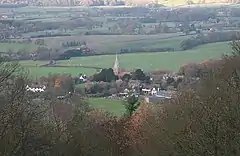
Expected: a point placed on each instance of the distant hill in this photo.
(112, 2)
(180, 2)
(186, 2)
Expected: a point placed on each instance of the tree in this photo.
(189, 2)
(106, 75)
(20, 128)
(39, 42)
(30, 126)
(131, 105)
(236, 48)
(138, 75)
(199, 120)
(126, 77)
(165, 28)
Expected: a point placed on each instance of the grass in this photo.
(113, 106)
(5, 47)
(113, 43)
(36, 72)
(146, 61)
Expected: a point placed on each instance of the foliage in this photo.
(126, 77)
(72, 43)
(236, 47)
(211, 37)
(198, 120)
(106, 75)
(39, 41)
(131, 104)
(104, 88)
(138, 74)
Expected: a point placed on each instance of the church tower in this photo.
(116, 66)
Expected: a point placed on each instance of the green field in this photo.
(113, 43)
(14, 47)
(103, 43)
(113, 106)
(146, 61)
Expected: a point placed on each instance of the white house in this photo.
(83, 78)
(159, 96)
(146, 91)
(152, 91)
(36, 89)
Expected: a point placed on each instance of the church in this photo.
(116, 68)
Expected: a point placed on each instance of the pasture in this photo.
(113, 43)
(103, 43)
(14, 47)
(146, 61)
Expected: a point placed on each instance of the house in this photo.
(121, 74)
(159, 96)
(83, 78)
(152, 91)
(146, 91)
(36, 89)
(124, 93)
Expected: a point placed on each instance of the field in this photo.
(146, 61)
(14, 47)
(113, 43)
(113, 106)
(105, 43)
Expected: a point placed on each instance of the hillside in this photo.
(181, 2)
(112, 2)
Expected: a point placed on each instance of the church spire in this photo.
(116, 65)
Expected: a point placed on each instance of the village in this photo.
(119, 88)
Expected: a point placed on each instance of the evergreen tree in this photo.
(131, 105)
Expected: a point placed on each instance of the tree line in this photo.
(211, 37)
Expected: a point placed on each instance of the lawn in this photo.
(113, 106)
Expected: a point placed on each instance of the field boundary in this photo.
(66, 66)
